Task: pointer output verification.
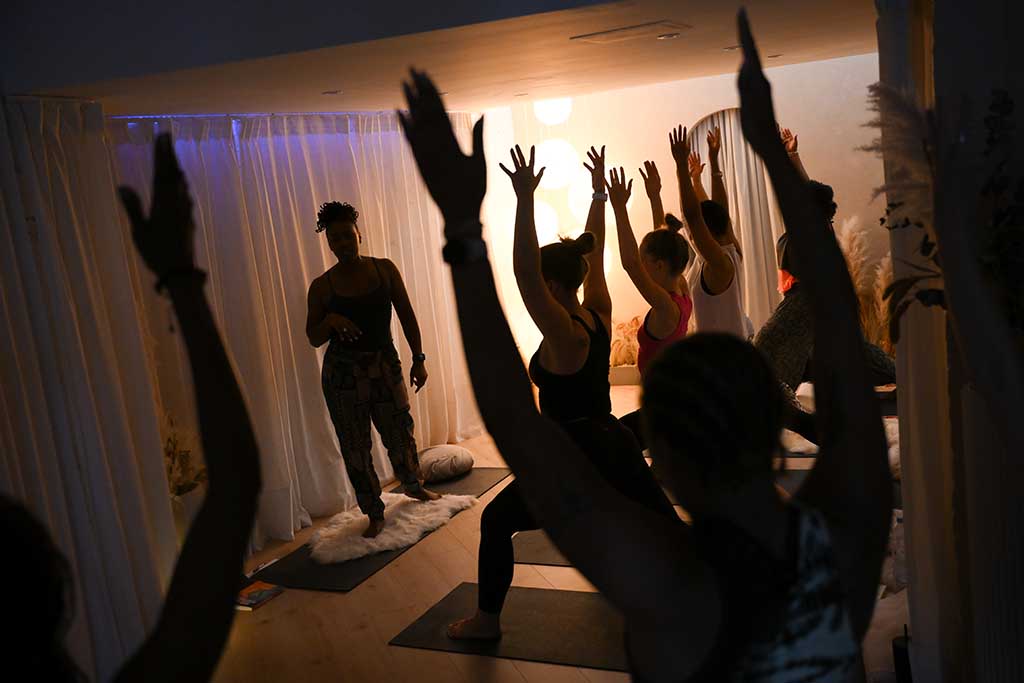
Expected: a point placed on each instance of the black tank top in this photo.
(371, 312)
(585, 393)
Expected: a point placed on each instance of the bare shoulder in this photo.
(390, 269)
(319, 285)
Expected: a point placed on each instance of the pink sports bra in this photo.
(650, 346)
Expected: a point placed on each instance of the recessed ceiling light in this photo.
(668, 36)
(521, 94)
(731, 48)
(332, 92)
(443, 92)
(775, 56)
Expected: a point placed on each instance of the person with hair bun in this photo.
(656, 268)
(570, 369)
(716, 286)
(350, 310)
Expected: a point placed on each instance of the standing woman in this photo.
(571, 371)
(656, 269)
(350, 307)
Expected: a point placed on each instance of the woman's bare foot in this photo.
(373, 528)
(481, 626)
(423, 494)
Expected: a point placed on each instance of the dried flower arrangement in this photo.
(625, 346)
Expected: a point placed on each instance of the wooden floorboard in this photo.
(315, 636)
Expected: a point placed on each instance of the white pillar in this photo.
(925, 442)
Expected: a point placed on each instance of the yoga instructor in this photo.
(350, 307)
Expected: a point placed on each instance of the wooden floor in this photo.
(313, 636)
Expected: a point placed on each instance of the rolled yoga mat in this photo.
(299, 570)
(571, 628)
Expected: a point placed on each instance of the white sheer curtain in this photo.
(79, 436)
(257, 183)
(752, 206)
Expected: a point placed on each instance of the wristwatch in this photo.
(600, 196)
(461, 250)
(419, 358)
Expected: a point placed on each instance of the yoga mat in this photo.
(299, 570)
(571, 628)
(536, 547)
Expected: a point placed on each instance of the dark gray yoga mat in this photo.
(536, 547)
(571, 628)
(299, 570)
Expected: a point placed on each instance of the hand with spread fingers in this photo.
(618, 190)
(680, 147)
(652, 179)
(457, 182)
(524, 180)
(695, 165)
(714, 143)
(596, 168)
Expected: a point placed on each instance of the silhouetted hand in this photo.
(652, 179)
(456, 182)
(347, 330)
(596, 168)
(165, 238)
(680, 146)
(524, 180)
(418, 375)
(618, 191)
(789, 140)
(756, 110)
(696, 167)
(714, 143)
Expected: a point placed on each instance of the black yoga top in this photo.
(586, 392)
(371, 312)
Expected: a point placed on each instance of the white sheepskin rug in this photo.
(407, 521)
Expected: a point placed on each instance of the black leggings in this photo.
(613, 450)
(631, 421)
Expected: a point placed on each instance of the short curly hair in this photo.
(335, 211)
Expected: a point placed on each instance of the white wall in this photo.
(825, 103)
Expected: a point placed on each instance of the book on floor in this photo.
(255, 595)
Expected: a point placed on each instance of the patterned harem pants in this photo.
(365, 386)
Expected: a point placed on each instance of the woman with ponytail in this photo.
(570, 370)
(656, 268)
